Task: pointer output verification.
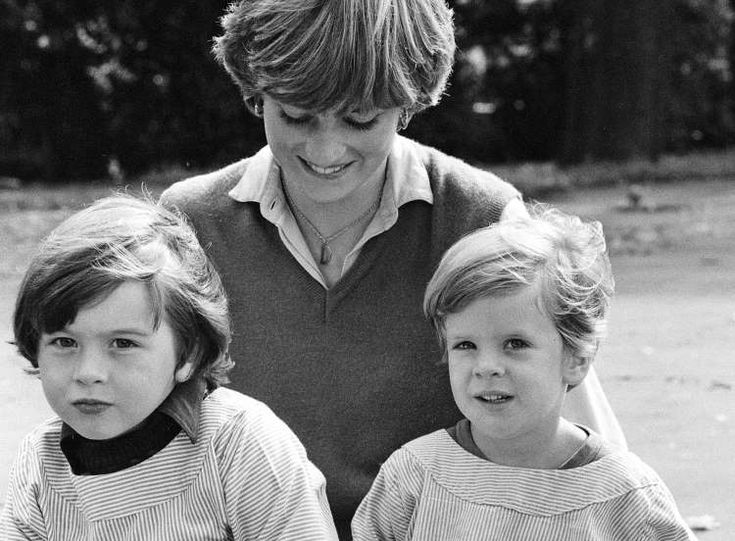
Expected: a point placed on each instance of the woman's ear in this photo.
(574, 369)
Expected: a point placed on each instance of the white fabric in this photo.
(433, 489)
(247, 477)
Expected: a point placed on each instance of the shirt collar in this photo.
(407, 180)
(184, 405)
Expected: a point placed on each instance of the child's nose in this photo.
(489, 364)
(90, 367)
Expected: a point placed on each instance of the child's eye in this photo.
(465, 344)
(123, 343)
(63, 342)
(516, 343)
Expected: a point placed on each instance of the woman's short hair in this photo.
(120, 239)
(566, 257)
(343, 54)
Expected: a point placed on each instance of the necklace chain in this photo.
(326, 252)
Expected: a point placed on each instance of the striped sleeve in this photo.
(272, 491)
(21, 517)
(386, 512)
(663, 523)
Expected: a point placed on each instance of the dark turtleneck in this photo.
(179, 411)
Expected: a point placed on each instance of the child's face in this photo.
(508, 368)
(107, 370)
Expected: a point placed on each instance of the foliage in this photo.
(89, 86)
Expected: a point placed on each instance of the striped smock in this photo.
(433, 489)
(246, 477)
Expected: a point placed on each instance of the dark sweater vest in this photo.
(354, 370)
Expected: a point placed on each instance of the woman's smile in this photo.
(331, 171)
(326, 156)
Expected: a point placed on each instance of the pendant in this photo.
(326, 254)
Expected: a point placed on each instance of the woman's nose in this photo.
(90, 367)
(489, 364)
(325, 146)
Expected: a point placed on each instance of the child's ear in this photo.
(574, 369)
(184, 372)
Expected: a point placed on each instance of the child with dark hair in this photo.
(127, 324)
(520, 308)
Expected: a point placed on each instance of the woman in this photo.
(327, 237)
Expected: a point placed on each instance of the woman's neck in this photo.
(331, 215)
(546, 451)
(331, 229)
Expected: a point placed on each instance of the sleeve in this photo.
(664, 523)
(588, 405)
(386, 513)
(514, 209)
(272, 491)
(21, 517)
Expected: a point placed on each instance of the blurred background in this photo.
(622, 111)
(92, 88)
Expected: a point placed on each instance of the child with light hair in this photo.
(520, 309)
(127, 323)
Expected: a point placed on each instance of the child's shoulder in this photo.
(230, 415)
(225, 405)
(428, 453)
(39, 451)
(44, 438)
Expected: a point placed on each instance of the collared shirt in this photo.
(406, 180)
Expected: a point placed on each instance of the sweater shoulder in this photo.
(205, 190)
(454, 179)
(465, 197)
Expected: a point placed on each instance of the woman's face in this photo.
(330, 157)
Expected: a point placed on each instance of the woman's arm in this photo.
(588, 405)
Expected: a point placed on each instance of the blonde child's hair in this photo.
(344, 54)
(120, 239)
(564, 255)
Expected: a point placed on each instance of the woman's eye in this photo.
(466, 344)
(361, 124)
(123, 343)
(295, 120)
(516, 343)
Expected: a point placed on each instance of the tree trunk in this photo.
(616, 78)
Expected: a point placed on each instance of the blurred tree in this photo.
(640, 73)
(132, 84)
(617, 60)
(50, 125)
(505, 93)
